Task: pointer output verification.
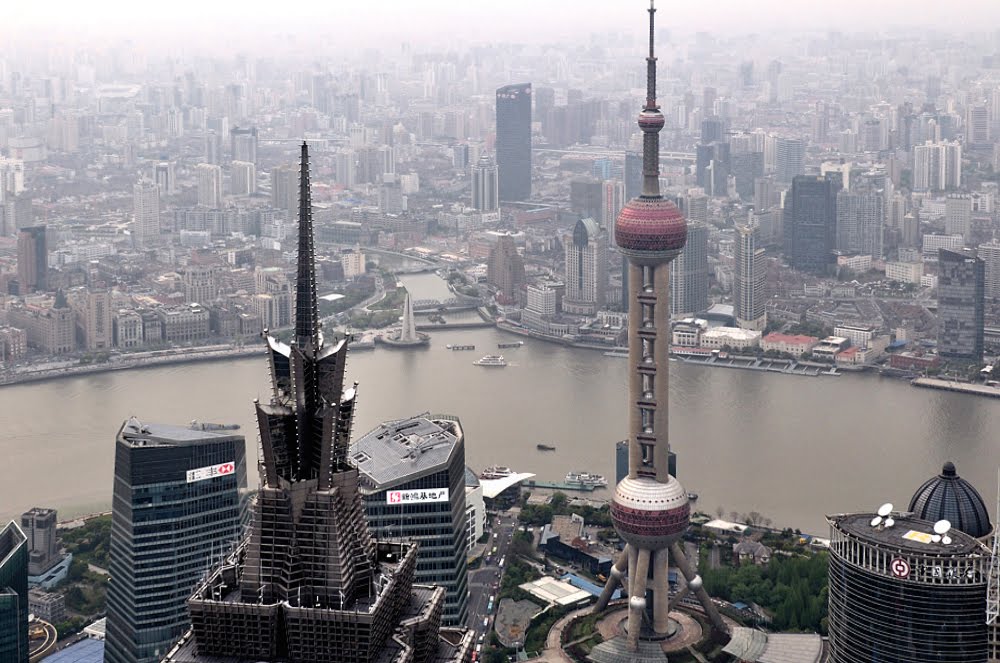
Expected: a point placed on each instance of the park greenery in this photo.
(559, 505)
(85, 589)
(792, 588)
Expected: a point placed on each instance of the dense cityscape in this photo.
(820, 208)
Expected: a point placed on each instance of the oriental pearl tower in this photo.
(650, 508)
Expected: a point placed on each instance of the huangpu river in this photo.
(792, 448)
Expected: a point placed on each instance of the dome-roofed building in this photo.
(950, 497)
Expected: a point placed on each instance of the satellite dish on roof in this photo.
(936, 538)
(942, 526)
(945, 539)
(876, 521)
(885, 509)
(889, 522)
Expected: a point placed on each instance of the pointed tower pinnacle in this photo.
(306, 309)
(651, 121)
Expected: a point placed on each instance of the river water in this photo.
(793, 448)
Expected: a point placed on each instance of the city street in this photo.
(485, 581)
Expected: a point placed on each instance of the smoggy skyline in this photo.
(228, 25)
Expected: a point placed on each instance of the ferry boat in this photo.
(496, 472)
(460, 347)
(491, 360)
(545, 447)
(512, 344)
(586, 479)
(621, 354)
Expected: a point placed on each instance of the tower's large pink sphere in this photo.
(650, 230)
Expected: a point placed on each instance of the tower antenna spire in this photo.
(306, 308)
(651, 120)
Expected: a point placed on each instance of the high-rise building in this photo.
(977, 126)
(514, 141)
(243, 144)
(937, 166)
(199, 284)
(284, 187)
(900, 590)
(612, 201)
(32, 260)
(810, 223)
(586, 196)
(961, 306)
(13, 595)
(749, 280)
(505, 269)
(189, 483)
(413, 487)
(209, 185)
(860, 221)
(958, 215)
(650, 508)
(163, 177)
(689, 273)
(633, 174)
(485, 191)
(146, 210)
(789, 158)
(213, 148)
(308, 583)
(39, 527)
(243, 179)
(990, 255)
(586, 269)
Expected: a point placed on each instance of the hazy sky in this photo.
(369, 21)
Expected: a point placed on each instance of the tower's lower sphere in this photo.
(649, 514)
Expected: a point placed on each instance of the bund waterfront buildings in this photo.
(961, 291)
(13, 595)
(413, 487)
(586, 268)
(650, 508)
(189, 483)
(514, 141)
(32, 260)
(309, 584)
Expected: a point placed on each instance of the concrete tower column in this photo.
(661, 591)
(637, 599)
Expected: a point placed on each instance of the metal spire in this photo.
(651, 64)
(306, 308)
(651, 121)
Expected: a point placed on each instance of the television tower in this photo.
(650, 508)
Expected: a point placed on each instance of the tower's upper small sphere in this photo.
(651, 120)
(649, 514)
(650, 230)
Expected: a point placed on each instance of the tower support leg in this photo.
(695, 585)
(637, 598)
(661, 591)
(614, 580)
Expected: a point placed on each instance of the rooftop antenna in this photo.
(883, 517)
(993, 579)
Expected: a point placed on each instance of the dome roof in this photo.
(952, 498)
(650, 228)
